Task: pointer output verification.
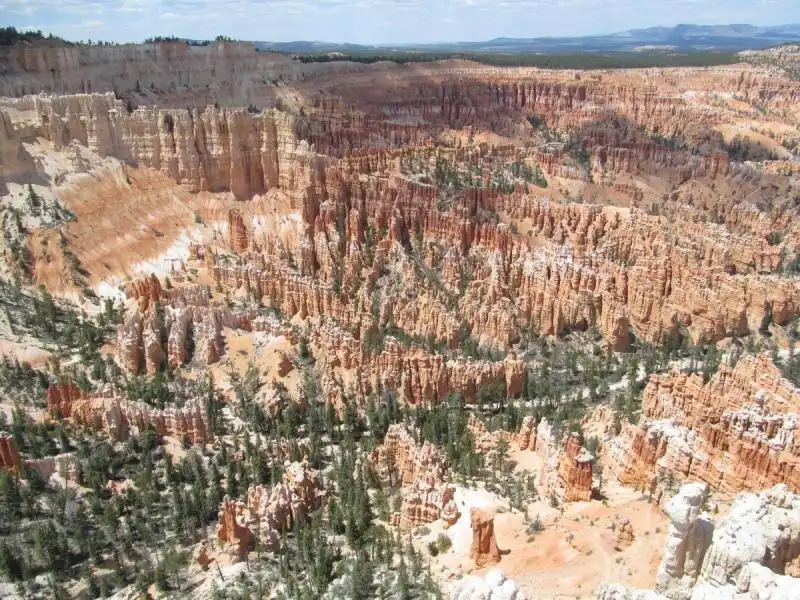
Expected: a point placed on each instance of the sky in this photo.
(376, 21)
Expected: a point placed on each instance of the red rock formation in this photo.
(418, 376)
(426, 501)
(146, 291)
(9, 456)
(484, 550)
(567, 471)
(237, 231)
(202, 557)
(734, 433)
(185, 313)
(118, 417)
(60, 398)
(574, 472)
(65, 465)
(684, 276)
(420, 470)
(232, 533)
(485, 440)
(285, 366)
(305, 486)
(269, 512)
(402, 461)
(526, 437)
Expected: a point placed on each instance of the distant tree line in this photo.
(171, 39)
(585, 60)
(10, 36)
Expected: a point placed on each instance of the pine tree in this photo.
(403, 587)
(11, 566)
(361, 579)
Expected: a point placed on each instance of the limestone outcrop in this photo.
(688, 539)
(417, 375)
(180, 325)
(754, 581)
(237, 231)
(213, 149)
(485, 440)
(401, 460)
(64, 465)
(69, 68)
(494, 586)
(526, 436)
(410, 218)
(617, 591)
(762, 528)
(705, 286)
(484, 550)
(580, 266)
(425, 501)
(737, 432)
(744, 556)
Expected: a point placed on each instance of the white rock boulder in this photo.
(494, 586)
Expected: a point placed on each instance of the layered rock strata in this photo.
(567, 468)
(400, 460)
(65, 465)
(174, 326)
(737, 432)
(233, 535)
(60, 398)
(579, 266)
(154, 69)
(417, 375)
(121, 417)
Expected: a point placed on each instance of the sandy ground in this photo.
(263, 350)
(151, 214)
(572, 555)
(37, 357)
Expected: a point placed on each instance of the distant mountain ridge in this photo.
(684, 38)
